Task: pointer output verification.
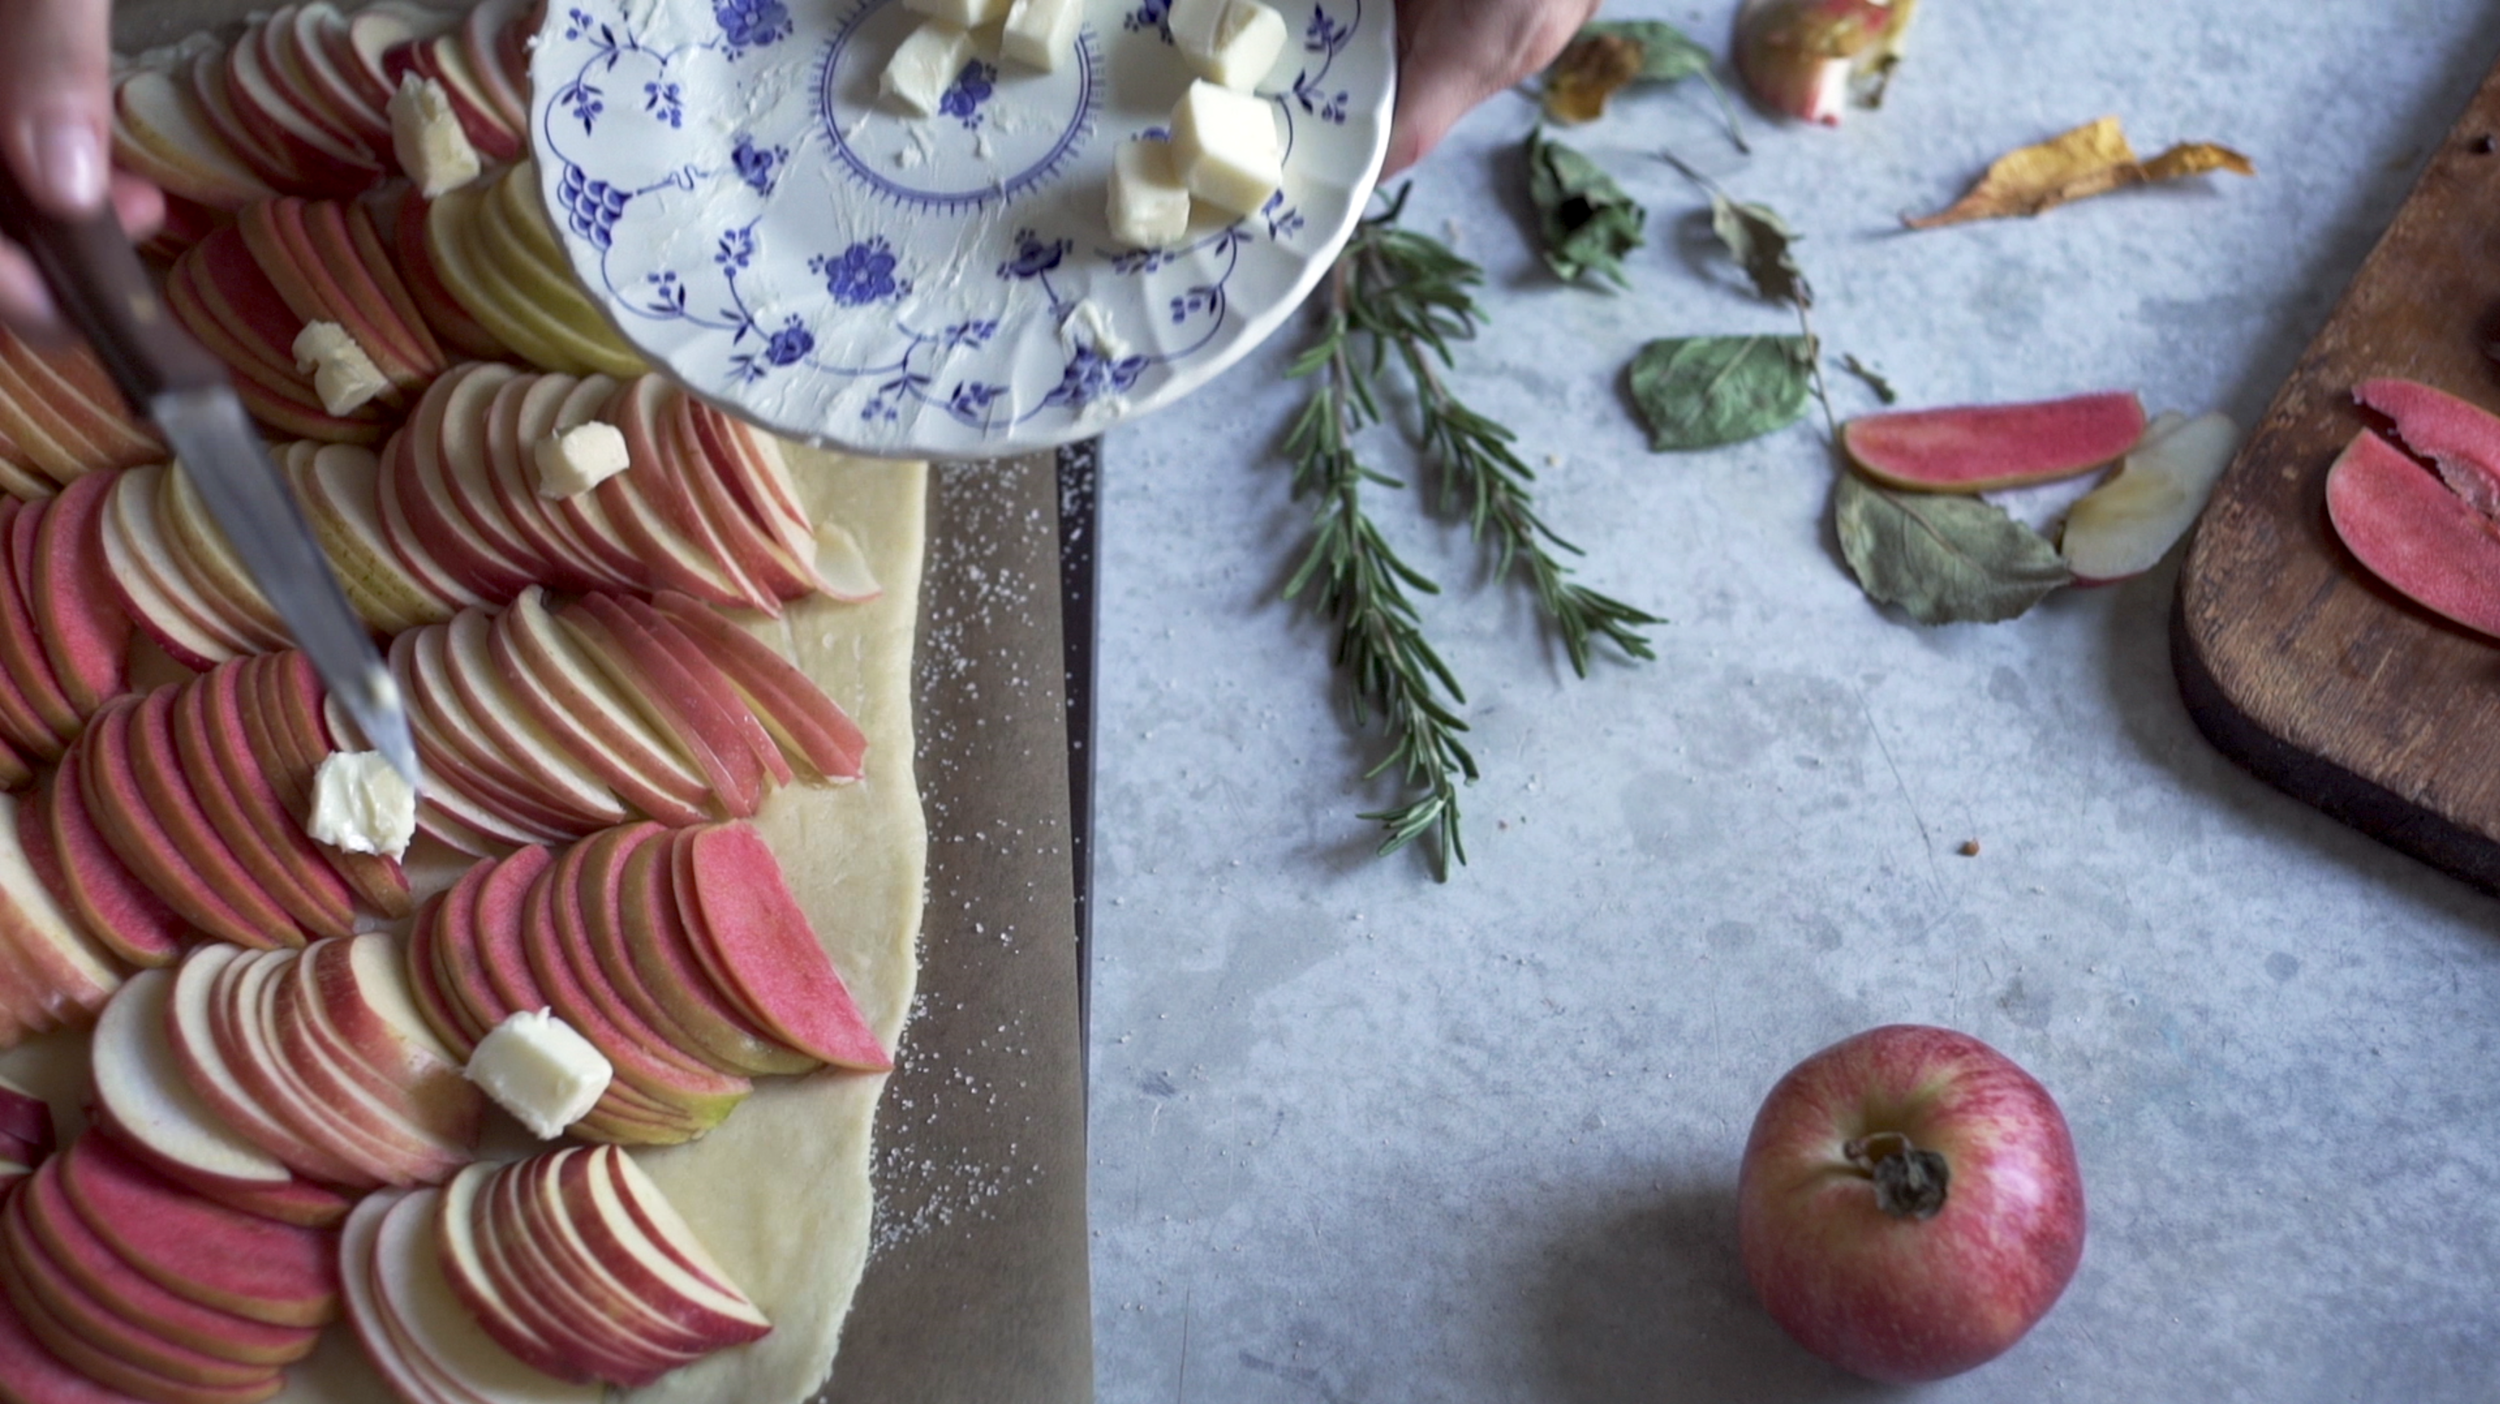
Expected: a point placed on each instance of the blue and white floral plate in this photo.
(754, 219)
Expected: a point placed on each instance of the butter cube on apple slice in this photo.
(540, 1069)
(426, 135)
(924, 66)
(362, 805)
(1149, 206)
(1230, 42)
(963, 14)
(344, 376)
(575, 460)
(1040, 32)
(1226, 146)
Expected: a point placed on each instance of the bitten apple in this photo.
(1909, 1203)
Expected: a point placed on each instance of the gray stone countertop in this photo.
(1360, 1137)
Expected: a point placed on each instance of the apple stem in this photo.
(1910, 1181)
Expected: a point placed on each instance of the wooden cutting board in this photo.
(2293, 659)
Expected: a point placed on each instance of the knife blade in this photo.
(101, 290)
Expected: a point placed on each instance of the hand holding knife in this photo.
(103, 291)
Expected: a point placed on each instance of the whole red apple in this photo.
(1909, 1203)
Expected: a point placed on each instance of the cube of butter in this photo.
(925, 65)
(1231, 42)
(342, 374)
(1040, 32)
(963, 14)
(1226, 146)
(1149, 206)
(362, 804)
(433, 148)
(578, 459)
(540, 1069)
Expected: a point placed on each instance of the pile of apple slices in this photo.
(53, 973)
(64, 641)
(541, 726)
(246, 291)
(680, 954)
(182, 810)
(483, 64)
(575, 1263)
(489, 249)
(26, 1133)
(61, 419)
(116, 1276)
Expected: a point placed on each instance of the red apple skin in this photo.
(1898, 1298)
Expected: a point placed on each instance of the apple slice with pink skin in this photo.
(201, 1027)
(21, 650)
(27, 1120)
(657, 516)
(226, 757)
(292, 740)
(1976, 448)
(282, 399)
(664, 651)
(163, 134)
(495, 939)
(360, 988)
(271, 1272)
(377, 272)
(773, 568)
(640, 917)
(109, 1366)
(537, 1221)
(160, 595)
(686, 706)
(125, 813)
(313, 234)
(348, 1089)
(119, 910)
(244, 1028)
(549, 800)
(752, 465)
(337, 485)
(312, 1095)
(811, 728)
(412, 1290)
(445, 1012)
(443, 312)
(86, 634)
(103, 1273)
(479, 1277)
(325, 165)
(304, 1203)
(603, 551)
(448, 425)
(431, 560)
(72, 975)
(54, 1292)
(2125, 526)
(31, 1374)
(551, 936)
(70, 386)
(139, 1084)
(594, 934)
(482, 34)
(750, 935)
(525, 411)
(588, 1316)
(272, 39)
(295, 878)
(566, 693)
(2415, 534)
(205, 76)
(647, 1248)
(163, 787)
(386, 1348)
(454, 751)
(549, 766)
(320, 38)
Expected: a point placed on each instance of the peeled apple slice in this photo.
(2126, 525)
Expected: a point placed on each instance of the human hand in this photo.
(56, 134)
(1453, 54)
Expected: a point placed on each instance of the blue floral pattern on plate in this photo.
(732, 189)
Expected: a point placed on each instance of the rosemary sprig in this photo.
(1397, 294)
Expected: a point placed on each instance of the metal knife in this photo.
(98, 283)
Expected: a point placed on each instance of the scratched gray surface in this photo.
(1360, 1138)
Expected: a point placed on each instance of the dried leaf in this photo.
(1584, 220)
(2093, 159)
(1703, 391)
(1593, 69)
(1944, 559)
(1760, 241)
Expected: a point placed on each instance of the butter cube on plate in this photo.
(1040, 32)
(963, 14)
(1231, 42)
(925, 65)
(1149, 206)
(540, 1069)
(1227, 148)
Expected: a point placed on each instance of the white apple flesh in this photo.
(2125, 526)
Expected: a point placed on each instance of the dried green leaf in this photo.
(1874, 380)
(1703, 391)
(1945, 559)
(1667, 56)
(1584, 220)
(1760, 240)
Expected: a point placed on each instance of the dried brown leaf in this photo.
(2093, 159)
(1593, 69)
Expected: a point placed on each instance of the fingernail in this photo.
(72, 160)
